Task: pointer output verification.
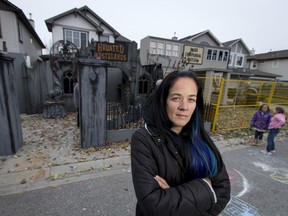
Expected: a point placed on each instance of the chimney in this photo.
(174, 37)
(31, 21)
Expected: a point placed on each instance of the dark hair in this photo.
(260, 108)
(206, 156)
(280, 110)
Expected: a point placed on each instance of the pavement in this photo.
(52, 156)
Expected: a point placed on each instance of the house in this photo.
(198, 51)
(17, 33)
(19, 40)
(82, 26)
(239, 64)
(274, 62)
(202, 52)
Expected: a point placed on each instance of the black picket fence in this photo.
(119, 117)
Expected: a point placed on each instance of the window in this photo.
(169, 49)
(239, 61)
(225, 58)
(209, 54)
(20, 35)
(76, 37)
(153, 45)
(220, 56)
(214, 54)
(275, 63)
(160, 48)
(143, 84)
(175, 50)
(104, 38)
(230, 63)
(0, 29)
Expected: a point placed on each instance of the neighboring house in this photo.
(275, 62)
(198, 51)
(19, 40)
(17, 33)
(239, 54)
(202, 52)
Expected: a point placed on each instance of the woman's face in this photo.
(181, 102)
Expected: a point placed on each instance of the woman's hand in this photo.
(209, 181)
(162, 183)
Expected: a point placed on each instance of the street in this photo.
(259, 187)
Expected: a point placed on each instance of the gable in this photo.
(205, 38)
(74, 22)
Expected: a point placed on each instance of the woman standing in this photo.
(176, 167)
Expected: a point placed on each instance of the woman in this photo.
(260, 122)
(176, 168)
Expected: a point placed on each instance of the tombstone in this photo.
(11, 138)
(92, 83)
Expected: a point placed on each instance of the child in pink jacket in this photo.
(277, 121)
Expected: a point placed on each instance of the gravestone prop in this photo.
(11, 138)
(93, 81)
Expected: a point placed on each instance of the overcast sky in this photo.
(262, 24)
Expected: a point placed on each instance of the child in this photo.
(277, 121)
(260, 122)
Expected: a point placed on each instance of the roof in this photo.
(270, 55)
(191, 37)
(82, 12)
(232, 42)
(25, 21)
(253, 73)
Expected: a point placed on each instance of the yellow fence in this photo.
(235, 101)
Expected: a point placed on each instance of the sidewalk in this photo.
(51, 156)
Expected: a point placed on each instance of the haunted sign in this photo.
(111, 51)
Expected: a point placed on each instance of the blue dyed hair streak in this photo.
(203, 160)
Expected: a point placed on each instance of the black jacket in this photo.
(151, 155)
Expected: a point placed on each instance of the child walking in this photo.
(277, 121)
(260, 122)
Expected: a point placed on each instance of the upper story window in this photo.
(239, 61)
(230, 63)
(217, 55)
(214, 54)
(225, 57)
(104, 38)
(78, 38)
(20, 34)
(169, 49)
(209, 54)
(275, 63)
(160, 48)
(153, 47)
(0, 29)
(220, 56)
(175, 50)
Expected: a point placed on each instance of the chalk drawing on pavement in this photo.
(278, 174)
(237, 207)
(246, 186)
